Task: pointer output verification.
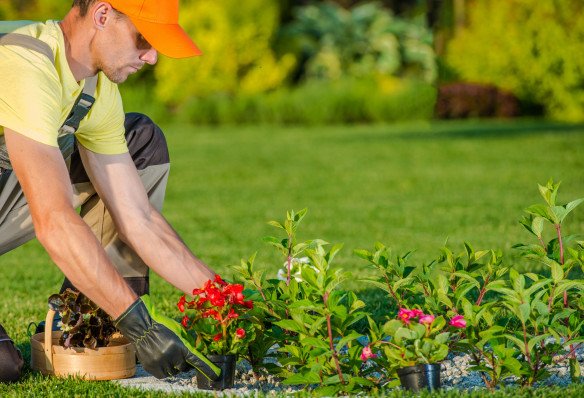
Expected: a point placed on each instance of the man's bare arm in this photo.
(71, 244)
(139, 224)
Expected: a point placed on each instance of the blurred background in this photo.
(346, 61)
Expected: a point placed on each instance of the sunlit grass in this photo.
(411, 187)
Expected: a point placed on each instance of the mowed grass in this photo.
(411, 187)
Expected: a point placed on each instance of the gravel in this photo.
(455, 375)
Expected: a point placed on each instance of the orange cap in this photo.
(157, 21)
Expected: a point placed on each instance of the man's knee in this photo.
(10, 359)
(146, 141)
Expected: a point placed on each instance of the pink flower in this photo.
(367, 354)
(458, 322)
(427, 319)
(240, 333)
(405, 315)
(416, 313)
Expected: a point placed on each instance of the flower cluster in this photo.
(217, 314)
(413, 338)
(406, 316)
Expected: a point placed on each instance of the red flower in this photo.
(219, 280)
(248, 304)
(216, 297)
(197, 292)
(181, 303)
(232, 314)
(185, 321)
(218, 337)
(240, 333)
(211, 313)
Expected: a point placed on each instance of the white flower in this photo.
(296, 265)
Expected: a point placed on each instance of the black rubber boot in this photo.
(11, 361)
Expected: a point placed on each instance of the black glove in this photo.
(163, 346)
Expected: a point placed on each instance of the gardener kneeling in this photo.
(113, 166)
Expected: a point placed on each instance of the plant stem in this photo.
(527, 354)
(330, 337)
(558, 230)
(391, 291)
(483, 290)
(561, 243)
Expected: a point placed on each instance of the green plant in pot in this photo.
(413, 346)
(219, 318)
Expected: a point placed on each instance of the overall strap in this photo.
(17, 39)
(84, 101)
(82, 105)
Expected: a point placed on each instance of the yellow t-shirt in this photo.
(36, 95)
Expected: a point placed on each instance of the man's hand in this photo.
(162, 344)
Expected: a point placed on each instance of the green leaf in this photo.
(276, 224)
(315, 342)
(404, 333)
(537, 226)
(572, 205)
(519, 343)
(442, 338)
(575, 370)
(533, 341)
(348, 338)
(391, 327)
(362, 253)
(519, 283)
(291, 325)
(559, 213)
(542, 211)
(557, 272)
(299, 378)
(524, 312)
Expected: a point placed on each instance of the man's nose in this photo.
(150, 56)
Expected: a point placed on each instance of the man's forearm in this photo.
(77, 252)
(160, 247)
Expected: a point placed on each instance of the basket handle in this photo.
(49, 340)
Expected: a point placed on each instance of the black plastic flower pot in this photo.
(227, 365)
(420, 377)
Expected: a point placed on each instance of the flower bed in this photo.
(506, 328)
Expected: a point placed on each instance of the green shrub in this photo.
(235, 38)
(529, 47)
(366, 40)
(34, 10)
(319, 102)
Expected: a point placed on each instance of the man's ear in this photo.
(102, 12)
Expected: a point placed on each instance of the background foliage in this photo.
(529, 47)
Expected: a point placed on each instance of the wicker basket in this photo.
(116, 361)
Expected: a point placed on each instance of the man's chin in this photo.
(117, 78)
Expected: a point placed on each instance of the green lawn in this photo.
(409, 186)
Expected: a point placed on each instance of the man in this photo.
(116, 168)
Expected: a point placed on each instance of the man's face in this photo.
(121, 50)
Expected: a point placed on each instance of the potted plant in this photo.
(88, 345)
(413, 345)
(218, 317)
